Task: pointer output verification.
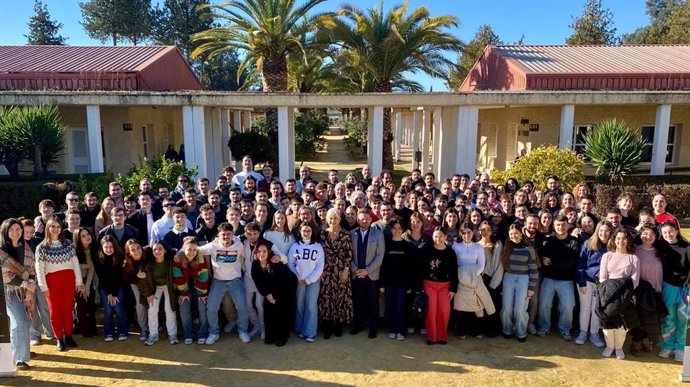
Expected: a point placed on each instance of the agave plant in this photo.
(614, 149)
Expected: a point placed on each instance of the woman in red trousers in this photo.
(440, 282)
(58, 274)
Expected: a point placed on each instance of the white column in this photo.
(376, 159)
(565, 139)
(214, 142)
(398, 135)
(194, 135)
(659, 147)
(283, 144)
(237, 120)
(93, 124)
(249, 122)
(416, 129)
(370, 133)
(226, 133)
(426, 128)
(466, 140)
(291, 142)
(436, 149)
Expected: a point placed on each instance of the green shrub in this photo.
(160, 171)
(20, 199)
(543, 162)
(355, 128)
(309, 127)
(677, 197)
(614, 149)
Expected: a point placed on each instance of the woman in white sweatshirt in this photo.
(306, 260)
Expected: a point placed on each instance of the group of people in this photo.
(267, 257)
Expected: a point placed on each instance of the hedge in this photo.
(22, 198)
(677, 197)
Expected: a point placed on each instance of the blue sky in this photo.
(541, 21)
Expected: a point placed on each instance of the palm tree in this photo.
(267, 31)
(389, 44)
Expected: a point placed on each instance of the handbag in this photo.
(419, 304)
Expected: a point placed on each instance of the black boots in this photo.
(327, 326)
(69, 341)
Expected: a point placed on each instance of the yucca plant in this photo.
(44, 133)
(614, 149)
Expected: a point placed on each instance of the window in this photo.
(648, 135)
(579, 138)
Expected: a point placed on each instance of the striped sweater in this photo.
(195, 272)
(53, 257)
(523, 261)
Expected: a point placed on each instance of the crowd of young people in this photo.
(267, 257)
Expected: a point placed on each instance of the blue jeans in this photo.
(41, 318)
(215, 295)
(19, 326)
(118, 309)
(394, 309)
(307, 309)
(514, 316)
(565, 290)
(186, 317)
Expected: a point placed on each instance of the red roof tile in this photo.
(160, 68)
(643, 67)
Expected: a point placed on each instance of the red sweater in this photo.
(194, 272)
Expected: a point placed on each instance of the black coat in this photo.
(137, 219)
(615, 305)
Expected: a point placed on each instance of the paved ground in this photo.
(336, 155)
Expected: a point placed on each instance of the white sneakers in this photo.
(594, 339)
(619, 354)
(243, 336)
(609, 351)
(678, 356)
(212, 338)
(581, 338)
(151, 340)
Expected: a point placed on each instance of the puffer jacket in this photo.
(615, 305)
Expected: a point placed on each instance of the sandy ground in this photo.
(349, 360)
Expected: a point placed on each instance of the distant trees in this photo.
(669, 24)
(42, 29)
(176, 21)
(594, 26)
(117, 20)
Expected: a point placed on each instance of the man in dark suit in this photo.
(143, 218)
(369, 246)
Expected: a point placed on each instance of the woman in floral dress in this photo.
(335, 304)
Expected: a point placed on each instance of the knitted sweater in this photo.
(195, 272)
(53, 257)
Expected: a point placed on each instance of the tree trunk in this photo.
(274, 74)
(385, 87)
(38, 164)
